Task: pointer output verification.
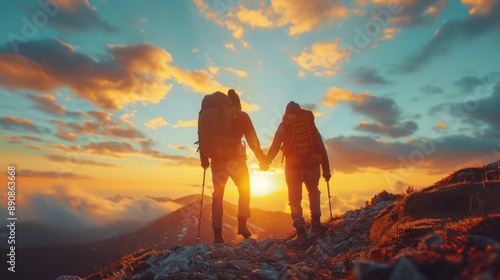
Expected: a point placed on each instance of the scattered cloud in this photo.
(300, 16)
(13, 123)
(199, 81)
(28, 173)
(367, 76)
(47, 103)
(156, 123)
(230, 46)
(128, 74)
(70, 207)
(483, 18)
(410, 13)
(76, 159)
(394, 130)
(77, 16)
(323, 59)
(187, 123)
(431, 90)
(437, 155)
(441, 125)
(34, 147)
(239, 73)
(382, 109)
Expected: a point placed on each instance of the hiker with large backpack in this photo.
(221, 126)
(304, 152)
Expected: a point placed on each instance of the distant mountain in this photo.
(179, 227)
(450, 230)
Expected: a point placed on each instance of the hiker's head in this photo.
(292, 106)
(235, 99)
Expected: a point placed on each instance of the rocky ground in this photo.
(386, 239)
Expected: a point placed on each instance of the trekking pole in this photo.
(329, 200)
(201, 203)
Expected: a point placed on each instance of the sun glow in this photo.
(262, 183)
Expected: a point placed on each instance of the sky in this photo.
(100, 98)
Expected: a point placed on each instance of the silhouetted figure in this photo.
(304, 152)
(231, 163)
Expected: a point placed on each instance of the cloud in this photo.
(431, 90)
(441, 125)
(71, 130)
(413, 13)
(382, 109)
(188, 123)
(48, 104)
(367, 76)
(435, 156)
(323, 59)
(28, 173)
(34, 147)
(156, 123)
(72, 208)
(483, 18)
(474, 109)
(472, 83)
(239, 73)
(76, 16)
(116, 149)
(213, 70)
(197, 80)
(230, 46)
(77, 160)
(394, 130)
(249, 107)
(13, 123)
(300, 16)
(128, 74)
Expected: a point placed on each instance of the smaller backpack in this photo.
(215, 126)
(302, 142)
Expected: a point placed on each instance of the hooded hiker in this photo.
(220, 129)
(304, 152)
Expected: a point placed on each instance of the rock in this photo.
(69, 277)
(311, 250)
(405, 269)
(365, 270)
(218, 254)
(264, 274)
(431, 241)
(240, 265)
(265, 244)
(220, 264)
(147, 276)
(230, 254)
(277, 252)
(487, 275)
(481, 242)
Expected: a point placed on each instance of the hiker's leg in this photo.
(311, 180)
(219, 179)
(294, 184)
(238, 171)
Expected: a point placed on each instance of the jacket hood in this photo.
(292, 106)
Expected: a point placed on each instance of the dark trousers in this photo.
(222, 169)
(295, 177)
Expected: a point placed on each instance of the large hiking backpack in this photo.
(302, 142)
(214, 126)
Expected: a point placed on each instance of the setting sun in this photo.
(263, 183)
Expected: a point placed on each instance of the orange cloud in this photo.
(198, 80)
(13, 123)
(479, 6)
(300, 16)
(323, 58)
(239, 73)
(188, 123)
(229, 46)
(156, 123)
(47, 103)
(336, 95)
(77, 160)
(441, 125)
(131, 74)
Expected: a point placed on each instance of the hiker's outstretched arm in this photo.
(325, 164)
(252, 139)
(277, 141)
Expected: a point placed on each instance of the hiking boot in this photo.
(218, 239)
(317, 228)
(242, 228)
(300, 238)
